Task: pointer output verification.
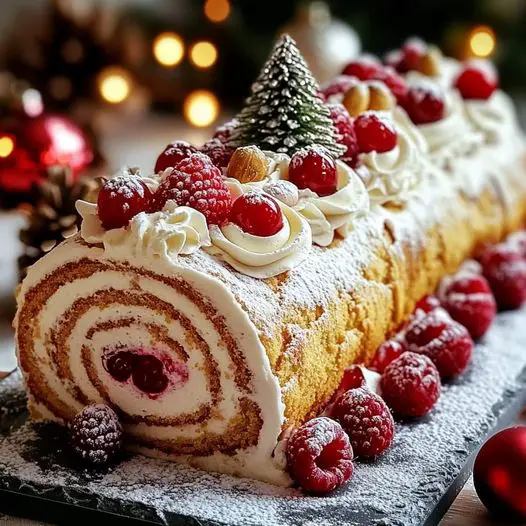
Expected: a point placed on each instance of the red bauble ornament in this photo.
(500, 474)
(31, 145)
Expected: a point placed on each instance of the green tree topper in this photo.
(284, 112)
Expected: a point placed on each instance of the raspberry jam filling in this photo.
(150, 371)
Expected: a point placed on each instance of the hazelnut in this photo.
(356, 99)
(429, 63)
(248, 164)
(380, 97)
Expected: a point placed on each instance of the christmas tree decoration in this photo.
(284, 112)
(54, 218)
(499, 474)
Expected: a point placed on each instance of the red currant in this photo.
(477, 80)
(425, 103)
(257, 214)
(314, 168)
(172, 154)
(374, 133)
(121, 199)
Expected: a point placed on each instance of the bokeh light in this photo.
(114, 85)
(168, 49)
(201, 108)
(482, 42)
(203, 54)
(7, 145)
(217, 10)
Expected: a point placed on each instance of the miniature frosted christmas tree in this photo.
(284, 112)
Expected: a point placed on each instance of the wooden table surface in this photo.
(136, 142)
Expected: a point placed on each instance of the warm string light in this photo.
(168, 49)
(201, 108)
(203, 54)
(482, 42)
(217, 10)
(7, 145)
(114, 85)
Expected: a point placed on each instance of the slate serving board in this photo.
(413, 484)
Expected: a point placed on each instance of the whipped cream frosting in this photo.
(258, 256)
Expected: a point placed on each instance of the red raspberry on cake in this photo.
(477, 80)
(219, 152)
(122, 198)
(394, 82)
(387, 352)
(257, 213)
(314, 168)
(197, 183)
(338, 86)
(411, 385)
(365, 417)
(224, 132)
(320, 456)
(468, 299)
(363, 68)
(375, 132)
(172, 154)
(504, 267)
(428, 303)
(442, 339)
(344, 124)
(425, 103)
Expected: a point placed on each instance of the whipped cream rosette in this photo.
(258, 256)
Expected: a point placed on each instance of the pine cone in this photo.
(53, 218)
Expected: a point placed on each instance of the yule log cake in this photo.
(216, 303)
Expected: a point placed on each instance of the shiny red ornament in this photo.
(37, 144)
(499, 474)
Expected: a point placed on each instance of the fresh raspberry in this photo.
(411, 385)
(387, 352)
(319, 456)
(367, 420)
(477, 80)
(394, 82)
(505, 269)
(469, 300)
(257, 213)
(353, 377)
(224, 132)
(338, 87)
(344, 124)
(428, 303)
(442, 339)
(518, 240)
(314, 168)
(363, 68)
(172, 154)
(219, 152)
(96, 434)
(121, 199)
(197, 183)
(375, 132)
(425, 103)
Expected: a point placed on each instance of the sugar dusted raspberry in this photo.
(353, 377)
(219, 152)
(413, 50)
(469, 300)
(505, 269)
(425, 102)
(411, 385)
(257, 213)
(197, 183)
(363, 68)
(518, 240)
(314, 168)
(337, 87)
(172, 154)
(367, 420)
(428, 303)
(387, 352)
(375, 132)
(121, 199)
(477, 80)
(442, 339)
(224, 131)
(319, 456)
(344, 124)
(96, 434)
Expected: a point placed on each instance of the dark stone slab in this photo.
(413, 484)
